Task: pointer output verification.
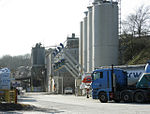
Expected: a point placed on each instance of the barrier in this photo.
(9, 96)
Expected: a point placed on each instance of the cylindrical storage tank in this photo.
(81, 48)
(85, 42)
(89, 40)
(38, 56)
(105, 34)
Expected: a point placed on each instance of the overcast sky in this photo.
(23, 23)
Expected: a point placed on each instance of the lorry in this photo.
(112, 84)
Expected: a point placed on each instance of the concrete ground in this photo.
(70, 104)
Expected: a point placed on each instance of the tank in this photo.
(38, 55)
(81, 47)
(89, 40)
(147, 67)
(133, 72)
(85, 42)
(105, 33)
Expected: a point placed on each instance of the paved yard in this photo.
(70, 104)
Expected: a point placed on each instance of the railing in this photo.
(8, 96)
(69, 62)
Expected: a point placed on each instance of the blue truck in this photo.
(111, 84)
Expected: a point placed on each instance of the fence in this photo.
(8, 96)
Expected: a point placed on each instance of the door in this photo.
(100, 80)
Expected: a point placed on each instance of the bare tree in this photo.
(137, 23)
(12, 62)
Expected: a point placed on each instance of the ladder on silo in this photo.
(119, 4)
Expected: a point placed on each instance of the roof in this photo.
(125, 67)
(104, 69)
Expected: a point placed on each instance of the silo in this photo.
(105, 33)
(89, 39)
(38, 55)
(81, 47)
(85, 42)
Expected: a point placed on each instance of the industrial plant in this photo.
(103, 62)
(55, 68)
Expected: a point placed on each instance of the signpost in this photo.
(5, 78)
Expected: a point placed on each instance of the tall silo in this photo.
(38, 70)
(105, 33)
(89, 39)
(85, 42)
(38, 55)
(81, 47)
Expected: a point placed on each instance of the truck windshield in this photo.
(144, 81)
(147, 77)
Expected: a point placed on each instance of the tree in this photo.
(134, 27)
(13, 62)
(137, 23)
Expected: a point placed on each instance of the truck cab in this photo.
(105, 83)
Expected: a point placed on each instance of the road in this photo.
(70, 104)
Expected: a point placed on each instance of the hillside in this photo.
(134, 50)
(13, 62)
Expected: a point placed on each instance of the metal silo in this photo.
(89, 39)
(105, 33)
(81, 47)
(38, 55)
(85, 42)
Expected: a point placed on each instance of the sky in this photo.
(23, 23)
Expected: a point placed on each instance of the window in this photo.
(97, 75)
(101, 74)
(147, 77)
(144, 81)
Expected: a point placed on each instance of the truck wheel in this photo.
(103, 97)
(139, 97)
(126, 97)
